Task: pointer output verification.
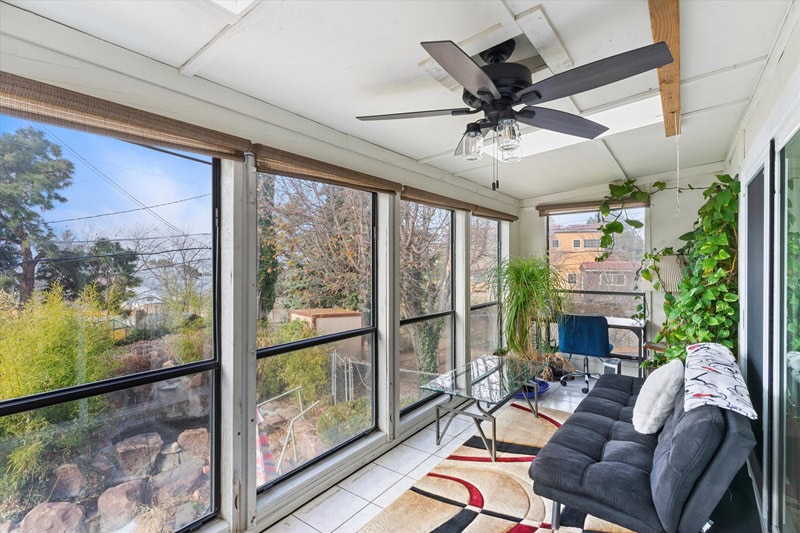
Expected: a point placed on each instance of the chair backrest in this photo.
(583, 335)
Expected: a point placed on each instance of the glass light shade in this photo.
(511, 156)
(473, 146)
(507, 135)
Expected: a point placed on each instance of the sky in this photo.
(149, 176)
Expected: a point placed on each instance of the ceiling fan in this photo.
(497, 88)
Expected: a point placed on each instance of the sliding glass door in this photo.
(789, 440)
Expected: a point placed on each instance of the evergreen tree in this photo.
(32, 172)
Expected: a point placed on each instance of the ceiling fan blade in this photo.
(596, 74)
(421, 114)
(553, 120)
(462, 68)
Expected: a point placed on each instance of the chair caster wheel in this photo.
(563, 382)
(585, 390)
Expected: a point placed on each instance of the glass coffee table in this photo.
(488, 383)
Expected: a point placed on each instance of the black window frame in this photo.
(576, 243)
(120, 383)
(555, 243)
(372, 330)
(430, 316)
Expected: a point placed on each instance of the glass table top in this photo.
(489, 379)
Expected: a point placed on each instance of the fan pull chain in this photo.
(495, 167)
(678, 163)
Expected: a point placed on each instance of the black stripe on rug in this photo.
(458, 523)
(456, 520)
(509, 447)
(436, 497)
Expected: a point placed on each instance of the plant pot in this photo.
(541, 385)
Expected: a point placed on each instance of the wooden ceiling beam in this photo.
(665, 21)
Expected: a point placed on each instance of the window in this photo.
(554, 243)
(106, 271)
(316, 327)
(484, 249)
(426, 297)
(590, 280)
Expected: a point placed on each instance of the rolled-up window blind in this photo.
(437, 200)
(274, 161)
(583, 207)
(34, 100)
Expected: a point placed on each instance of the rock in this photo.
(117, 505)
(68, 482)
(170, 457)
(177, 485)
(102, 464)
(54, 517)
(138, 454)
(195, 442)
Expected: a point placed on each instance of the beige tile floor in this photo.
(355, 501)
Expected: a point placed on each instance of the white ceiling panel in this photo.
(332, 61)
(704, 139)
(577, 166)
(169, 31)
(720, 33)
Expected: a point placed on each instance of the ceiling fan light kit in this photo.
(498, 87)
(473, 142)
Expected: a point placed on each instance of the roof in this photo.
(572, 228)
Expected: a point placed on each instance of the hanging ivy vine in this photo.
(706, 307)
(792, 274)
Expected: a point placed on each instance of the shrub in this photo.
(49, 344)
(344, 420)
(309, 368)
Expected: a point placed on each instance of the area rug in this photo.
(468, 492)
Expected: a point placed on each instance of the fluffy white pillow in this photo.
(657, 398)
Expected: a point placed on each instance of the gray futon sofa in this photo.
(666, 482)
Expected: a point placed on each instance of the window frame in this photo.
(576, 243)
(372, 330)
(120, 383)
(496, 301)
(430, 316)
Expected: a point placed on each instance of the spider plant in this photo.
(531, 301)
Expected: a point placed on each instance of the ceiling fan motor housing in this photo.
(507, 77)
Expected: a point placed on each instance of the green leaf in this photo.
(731, 297)
(659, 185)
(615, 227)
(641, 196)
(687, 236)
(634, 223)
(617, 191)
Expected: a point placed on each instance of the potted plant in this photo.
(532, 299)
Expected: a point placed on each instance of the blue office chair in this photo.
(583, 335)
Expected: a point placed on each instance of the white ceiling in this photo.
(332, 60)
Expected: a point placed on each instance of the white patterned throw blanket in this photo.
(713, 378)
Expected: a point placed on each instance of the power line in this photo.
(114, 184)
(100, 256)
(128, 210)
(164, 237)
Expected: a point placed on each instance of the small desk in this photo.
(492, 380)
(637, 327)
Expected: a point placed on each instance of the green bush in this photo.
(49, 344)
(309, 368)
(345, 420)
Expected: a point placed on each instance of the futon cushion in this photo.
(685, 447)
(597, 447)
(657, 397)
